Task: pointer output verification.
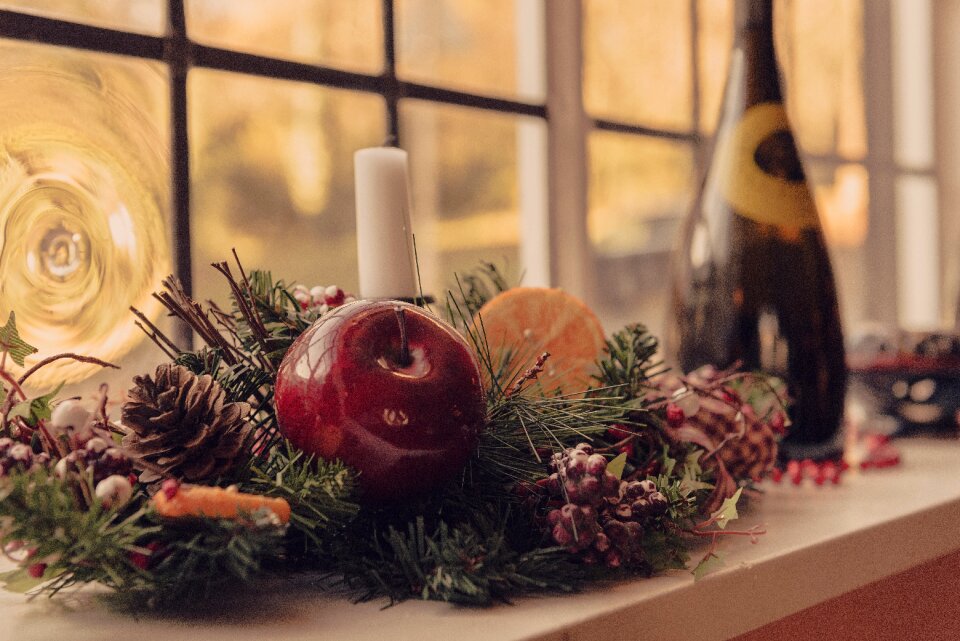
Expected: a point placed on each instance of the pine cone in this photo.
(751, 449)
(182, 424)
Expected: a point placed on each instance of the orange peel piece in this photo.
(216, 502)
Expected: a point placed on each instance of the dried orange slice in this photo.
(523, 322)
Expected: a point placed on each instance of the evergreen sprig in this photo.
(524, 428)
(478, 286)
(319, 492)
(198, 557)
(43, 514)
(630, 361)
(467, 563)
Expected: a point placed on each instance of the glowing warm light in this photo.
(82, 194)
(843, 206)
(122, 231)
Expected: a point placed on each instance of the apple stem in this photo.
(405, 359)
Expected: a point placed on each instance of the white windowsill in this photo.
(821, 542)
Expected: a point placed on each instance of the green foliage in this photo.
(78, 545)
(278, 312)
(470, 564)
(319, 492)
(189, 559)
(708, 564)
(12, 344)
(522, 427)
(727, 511)
(198, 557)
(34, 410)
(617, 465)
(477, 287)
(479, 540)
(630, 361)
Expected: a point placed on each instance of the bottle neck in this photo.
(754, 36)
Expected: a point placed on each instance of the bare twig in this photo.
(529, 375)
(56, 357)
(162, 340)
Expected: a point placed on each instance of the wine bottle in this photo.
(753, 282)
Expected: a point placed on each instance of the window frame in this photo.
(567, 122)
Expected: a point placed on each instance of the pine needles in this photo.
(468, 563)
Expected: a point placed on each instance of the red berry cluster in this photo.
(820, 472)
(319, 298)
(603, 518)
(18, 457)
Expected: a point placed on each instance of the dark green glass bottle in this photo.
(753, 281)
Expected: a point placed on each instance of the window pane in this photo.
(637, 62)
(715, 33)
(640, 190)
(145, 16)
(333, 33)
(822, 61)
(273, 177)
(473, 45)
(465, 189)
(639, 186)
(83, 201)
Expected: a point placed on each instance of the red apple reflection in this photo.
(407, 421)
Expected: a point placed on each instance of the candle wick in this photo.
(405, 359)
(389, 141)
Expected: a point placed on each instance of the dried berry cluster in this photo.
(18, 457)
(603, 519)
(92, 456)
(96, 457)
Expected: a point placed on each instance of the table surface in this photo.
(820, 542)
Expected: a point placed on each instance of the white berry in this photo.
(114, 490)
(60, 469)
(70, 415)
(317, 293)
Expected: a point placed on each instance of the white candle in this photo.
(384, 235)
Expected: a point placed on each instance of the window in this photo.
(562, 140)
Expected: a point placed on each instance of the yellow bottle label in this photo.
(761, 175)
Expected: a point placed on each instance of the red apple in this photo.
(407, 422)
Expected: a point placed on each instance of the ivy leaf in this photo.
(19, 581)
(32, 411)
(709, 563)
(616, 466)
(692, 472)
(11, 343)
(668, 463)
(727, 511)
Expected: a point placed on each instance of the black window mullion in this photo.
(640, 130)
(63, 33)
(391, 88)
(176, 53)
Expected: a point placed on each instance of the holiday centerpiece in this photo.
(379, 443)
(495, 445)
